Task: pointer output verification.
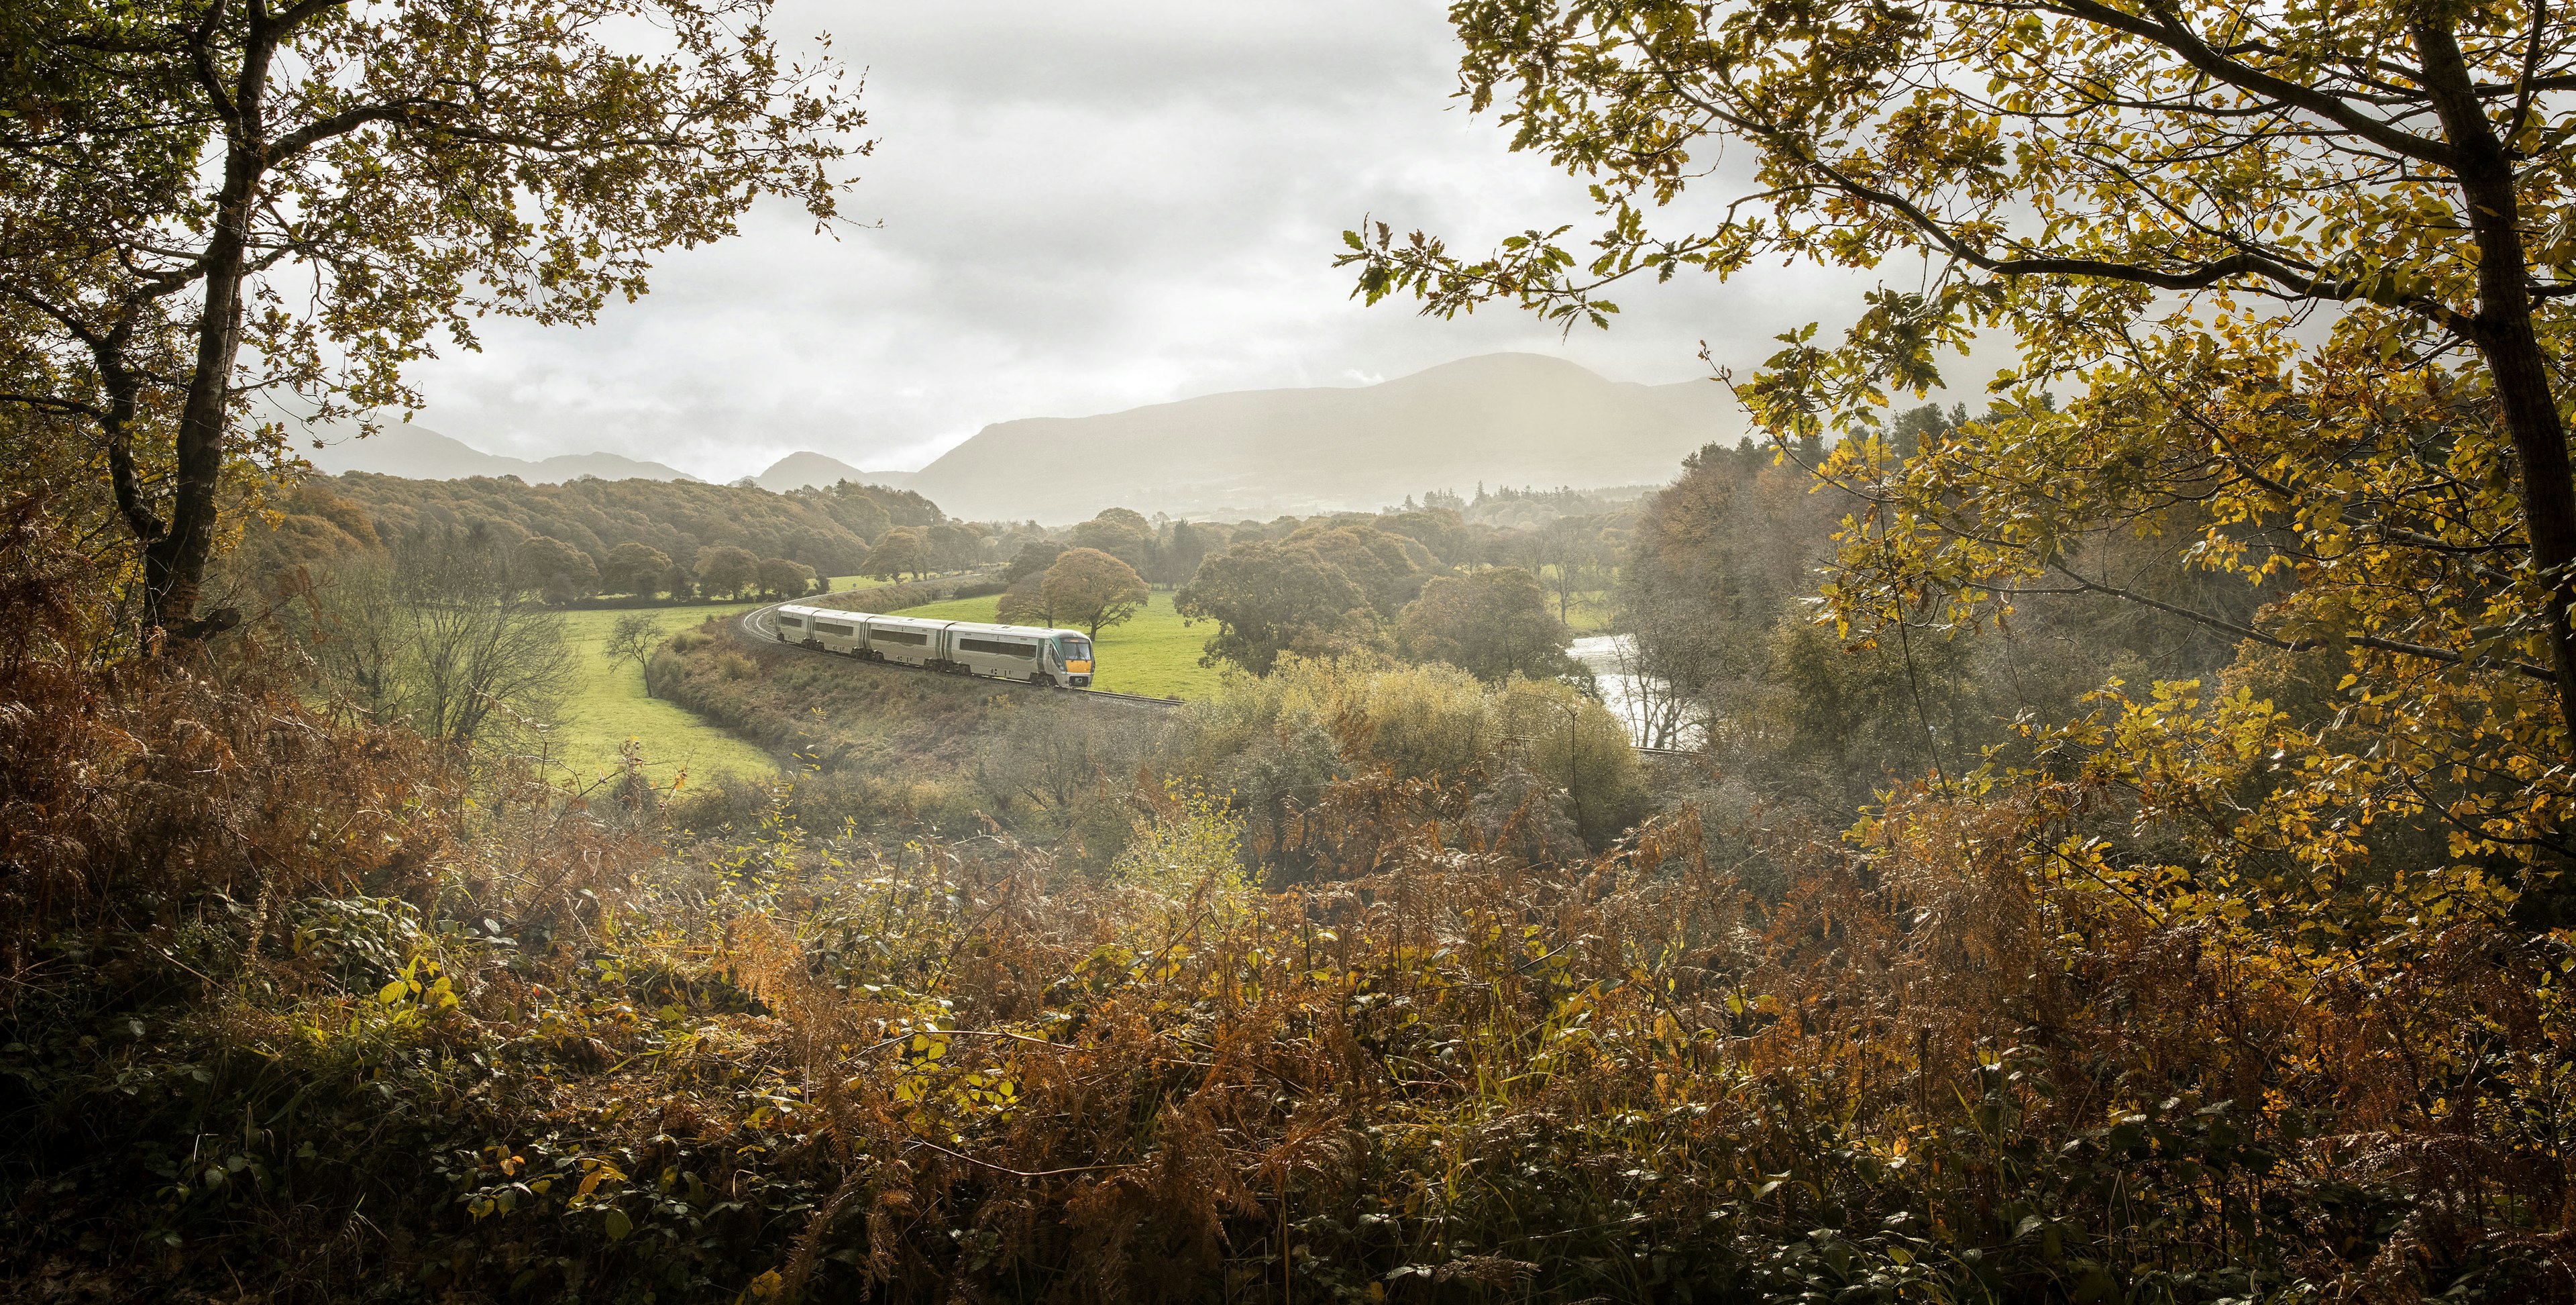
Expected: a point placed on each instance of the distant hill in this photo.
(1502, 419)
(419, 453)
(800, 470)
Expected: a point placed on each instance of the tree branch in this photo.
(2426, 651)
(2169, 32)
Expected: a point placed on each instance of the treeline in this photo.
(645, 538)
(1508, 508)
(1413, 581)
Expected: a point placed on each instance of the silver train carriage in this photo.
(1009, 652)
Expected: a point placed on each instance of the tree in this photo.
(633, 639)
(1917, 429)
(439, 633)
(1268, 599)
(1577, 747)
(955, 546)
(1089, 588)
(1025, 602)
(728, 570)
(1440, 530)
(1122, 533)
(305, 525)
(554, 568)
(1179, 558)
(1568, 552)
(679, 582)
(328, 185)
(634, 568)
(1032, 560)
(1493, 624)
(781, 578)
(854, 506)
(2148, 198)
(905, 550)
(1389, 568)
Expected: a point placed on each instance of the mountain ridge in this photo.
(1505, 418)
(806, 468)
(419, 453)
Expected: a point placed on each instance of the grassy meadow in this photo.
(608, 705)
(1154, 653)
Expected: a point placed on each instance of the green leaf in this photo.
(619, 1225)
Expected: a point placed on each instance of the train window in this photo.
(826, 627)
(791, 620)
(913, 637)
(1073, 647)
(997, 647)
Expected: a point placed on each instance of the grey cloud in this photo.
(1076, 209)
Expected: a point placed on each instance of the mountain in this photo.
(1501, 419)
(419, 453)
(798, 470)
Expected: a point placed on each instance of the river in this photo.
(1631, 697)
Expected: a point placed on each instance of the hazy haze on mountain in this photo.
(1502, 419)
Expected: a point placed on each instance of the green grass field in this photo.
(1155, 653)
(608, 705)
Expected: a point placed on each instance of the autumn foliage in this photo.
(325, 1014)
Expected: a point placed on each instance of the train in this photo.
(1038, 655)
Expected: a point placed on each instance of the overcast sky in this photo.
(1077, 207)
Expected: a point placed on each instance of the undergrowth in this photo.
(294, 1011)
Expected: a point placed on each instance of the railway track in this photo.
(754, 627)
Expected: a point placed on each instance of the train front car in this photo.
(1022, 652)
(1070, 651)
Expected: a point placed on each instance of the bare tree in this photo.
(440, 634)
(633, 640)
(1658, 712)
(1052, 754)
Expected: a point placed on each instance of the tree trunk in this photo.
(174, 565)
(2504, 336)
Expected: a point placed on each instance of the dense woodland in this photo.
(2106, 845)
(591, 536)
